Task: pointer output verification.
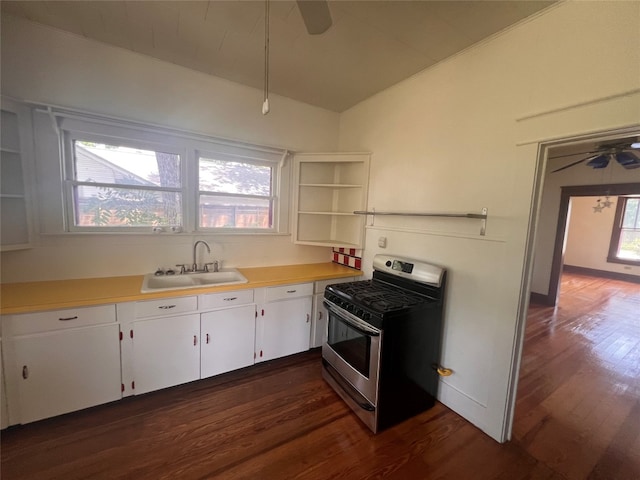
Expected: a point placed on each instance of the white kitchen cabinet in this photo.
(16, 153)
(166, 351)
(283, 324)
(61, 361)
(319, 311)
(4, 412)
(228, 340)
(329, 187)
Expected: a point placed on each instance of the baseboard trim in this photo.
(540, 299)
(601, 273)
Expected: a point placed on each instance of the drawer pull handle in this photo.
(207, 339)
(195, 340)
(25, 372)
(68, 318)
(230, 299)
(291, 291)
(308, 317)
(166, 307)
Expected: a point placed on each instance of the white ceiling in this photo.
(371, 45)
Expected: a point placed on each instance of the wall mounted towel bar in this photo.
(480, 216)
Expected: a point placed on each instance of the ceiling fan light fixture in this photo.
(601, 161)
(635, 145)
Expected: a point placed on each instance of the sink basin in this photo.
(226, 276)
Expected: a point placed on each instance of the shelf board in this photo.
(15, 246)
(329, 243)
(11, 195)
(9, 150)
(331, 185)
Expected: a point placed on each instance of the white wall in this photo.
(464, 135)
(589, 234)
(45, 65)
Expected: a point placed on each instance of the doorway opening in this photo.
(611, 190)
(547, 231)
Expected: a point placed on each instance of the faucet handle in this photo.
(215, 266)
(183, 268)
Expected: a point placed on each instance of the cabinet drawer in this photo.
(166, 306)
(273, 294)
(226, 299)
(320, 285)
(59, 319)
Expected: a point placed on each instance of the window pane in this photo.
(629, 245)
(234, 177)
(630, 219)
(125, 207)
(234, 212)
(103, 163)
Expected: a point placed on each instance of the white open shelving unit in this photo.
(329, 187)
(15, 147)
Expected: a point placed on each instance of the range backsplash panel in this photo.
(350, 257)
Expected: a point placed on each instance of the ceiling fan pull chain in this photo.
(265, 103)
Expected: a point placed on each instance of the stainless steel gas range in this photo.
(383, 341)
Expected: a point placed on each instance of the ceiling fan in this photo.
(316, 15)
(627, 154)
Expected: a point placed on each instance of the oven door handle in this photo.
(353, 321)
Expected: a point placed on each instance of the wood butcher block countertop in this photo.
(49, 295)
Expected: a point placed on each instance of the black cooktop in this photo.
(376, 296)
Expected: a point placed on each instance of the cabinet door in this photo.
(283, 328)
(67, 370)
(166, 352)
(318, 321)
(4, 412)
(228, 340)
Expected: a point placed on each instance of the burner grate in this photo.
(378, 296)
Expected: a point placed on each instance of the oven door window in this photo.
(351, 344)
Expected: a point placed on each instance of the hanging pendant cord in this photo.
(266, 51)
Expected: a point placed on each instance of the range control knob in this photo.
(388, 263)
(366, 316)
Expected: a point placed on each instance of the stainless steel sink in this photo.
(226, 276)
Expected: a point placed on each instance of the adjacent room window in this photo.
(122, 186)
(625, 238)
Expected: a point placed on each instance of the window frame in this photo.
(73, 126)
(616, 232)
(230, 157)
(70, 182)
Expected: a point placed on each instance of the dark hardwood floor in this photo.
(577, 417)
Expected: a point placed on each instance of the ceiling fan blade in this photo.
(574, 154)
(316, 15)
(574, 163)
(628, 160)
(599, 161)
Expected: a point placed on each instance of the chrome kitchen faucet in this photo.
(194, 266)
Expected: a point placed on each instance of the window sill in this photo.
(623, 261)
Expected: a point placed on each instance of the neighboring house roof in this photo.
(92, 167)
